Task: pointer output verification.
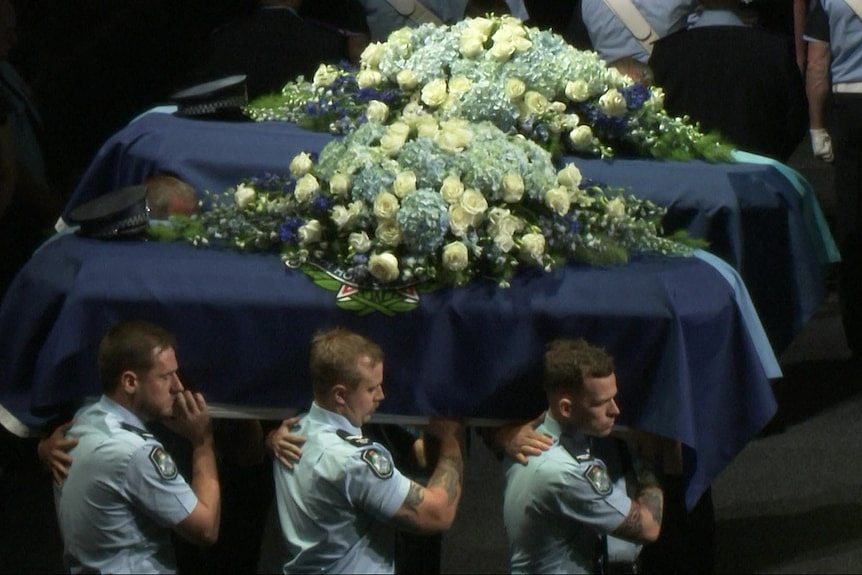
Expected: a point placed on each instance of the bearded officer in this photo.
(563, 507)
(339, 506)
(123, 494)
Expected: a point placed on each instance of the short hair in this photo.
(167, 194)
(335, 354)
(568, 362)
(130, 346)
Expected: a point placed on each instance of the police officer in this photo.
(338, 506)
(561, 507)
(617, 45)
(123, 494)
(834, 34)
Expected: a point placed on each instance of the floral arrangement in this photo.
(522, 79)
(429, 201)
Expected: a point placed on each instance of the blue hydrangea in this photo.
(424, 221)
(427, 160)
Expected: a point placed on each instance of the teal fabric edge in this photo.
(815, 222)
(752, 322)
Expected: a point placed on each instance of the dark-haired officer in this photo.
(123, 494)
(564, 509)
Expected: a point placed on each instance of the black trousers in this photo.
(846, 132)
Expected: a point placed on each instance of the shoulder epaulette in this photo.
(142, 432)
(356, 440)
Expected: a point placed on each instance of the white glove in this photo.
(821, 144)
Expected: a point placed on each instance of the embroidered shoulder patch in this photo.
(163, 462)
(356, 440)
(598, 477)
(379, 462)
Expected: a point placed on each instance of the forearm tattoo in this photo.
(631, 526)
(414, 497)
(448, 476)
(652, 498)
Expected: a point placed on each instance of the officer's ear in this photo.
(129, 382)
(565, 406)
(339, 394)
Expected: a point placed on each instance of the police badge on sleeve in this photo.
(163, 462)
(599, 479)
(379, 462)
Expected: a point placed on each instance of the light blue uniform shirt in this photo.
(334, 505)
(553, 513)
(845, 41)
(383, 19)
(122, 497)
(613, 40)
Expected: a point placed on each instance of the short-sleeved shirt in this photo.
(334, 505)
(613, 40)
(833, 21)
(383, 18)
(557, 507)
(122, 496)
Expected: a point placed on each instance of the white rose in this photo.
(533, 246)
(405, 184)
(309, 233)
(616, 208)
(455, 135)
(244, 195)
(377, 111)
(570, 177)
(455, 257)
(473, 202)
(459, 85)
(481, 25)
(505, 242)
(306, 188)
(452, 189)
(325, 75)
(656, 100)
(459, 220)
(400, 38)
(399, 129)
(522, 44)
(582, 137)
(613, 103)
(341, 216)
(427, 127)
(501, 51)
(508, 225)
(370, 57)
(434, 92)
(577, 90)
(515, 88)
(558, 200)
(570, 121)
(385, 206)
(384, 267)
(339, 185)
(359, 241)
(407, 80)
(536, 103)
(369, 78)
(388, 233)
(300, 165)
(391, 144)
(513, 187)
(470, 45)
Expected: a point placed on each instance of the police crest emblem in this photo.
(599, 479)
(379, 462)
(163, 462)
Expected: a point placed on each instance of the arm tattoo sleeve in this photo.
(448, 476)
(631, 526)
(651, 497)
